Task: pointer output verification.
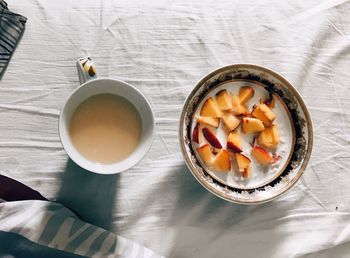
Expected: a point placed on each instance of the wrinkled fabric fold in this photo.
(164, 47)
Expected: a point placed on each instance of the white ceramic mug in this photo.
(90, 87)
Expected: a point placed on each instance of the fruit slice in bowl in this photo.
(206, 120)
(252, 125)
(243, 163)
(264, 114)
(222, 161)
(234, 142)
(210, 108)
(238, 108)
(245, 93)
(195, 134)
(269, 137)
(262, 155)
(205, 154)
(230, 122)
(210, 136)
(224, 101)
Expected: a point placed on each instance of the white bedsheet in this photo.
(164, 48)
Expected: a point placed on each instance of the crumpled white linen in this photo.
(164, 48)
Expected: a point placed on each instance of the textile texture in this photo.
(163, 48)
(36, 228)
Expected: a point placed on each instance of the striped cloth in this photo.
(11, 30)
(37, 228)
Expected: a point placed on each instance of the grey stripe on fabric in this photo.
(113, 246)
(3, 4)
(77, 224)
(8, 24)
(96, 245)
(12, 36)
(51, 229)
(5, 42)
(76, 242)
(13, 23)
(8, 37)
(11, 30)
(4, 48)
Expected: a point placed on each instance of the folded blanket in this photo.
(34, 228)
(11, 30)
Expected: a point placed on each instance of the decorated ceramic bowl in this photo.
(291, 118)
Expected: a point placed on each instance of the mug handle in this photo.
(86, 69)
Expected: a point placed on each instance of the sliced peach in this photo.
(270, 102)
(245, 93)
(234, 142)
(275, 135)
(230, 122)
(251, 125)
(195, 134)
(210, 108)
(268, 137)
(246, 172)
(261, 155)
(264, 113)
(206, 120)
(243, 163)
(209, 135)
(237, 107)
(222, 162)
(223, 99)
(205, 154)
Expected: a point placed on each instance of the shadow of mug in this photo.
(91, 196)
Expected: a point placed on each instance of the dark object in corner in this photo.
(11, 30)
(12, 190)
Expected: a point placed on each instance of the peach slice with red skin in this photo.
(205, 154)
(264, 113)
(210, 136)
(210, 108)
(195, 134)
(243, 163)
(234, 142)
(270, 101)
(222, 161)
(230, 121)
(211, 121)
(251, 125)
(237, 107)
(245, 93)
(261, 155)
(223, 99)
